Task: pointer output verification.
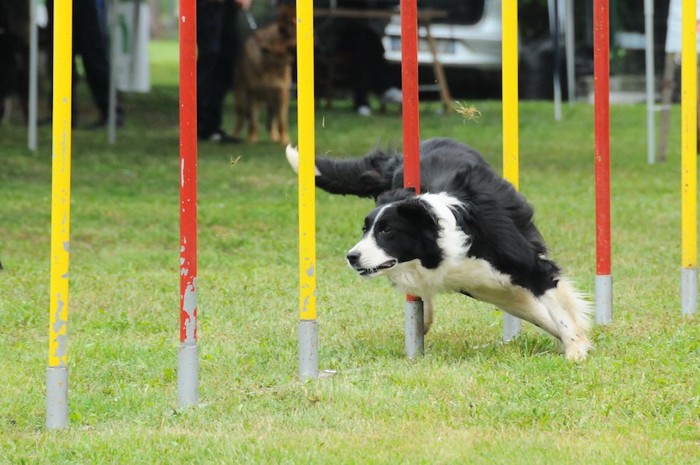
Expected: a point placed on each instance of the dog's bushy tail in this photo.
(368, 176)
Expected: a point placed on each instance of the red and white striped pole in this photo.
(601, 70)
(413, 311)
(187, 361)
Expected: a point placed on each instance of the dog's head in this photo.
(287, 22)
(402, 229)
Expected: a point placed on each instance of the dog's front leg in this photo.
(282, 117)
(241, 117)
(253, 122)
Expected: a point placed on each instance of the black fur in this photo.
(495, 216)
(407, 230)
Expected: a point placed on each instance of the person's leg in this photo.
(379, 77)
(90, 43)
(360, 69)
(216, 46)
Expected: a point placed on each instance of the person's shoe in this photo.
(392, 95)
(219, 137)
(364, 110)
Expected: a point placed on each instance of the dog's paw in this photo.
(577, 351)
(293, 159)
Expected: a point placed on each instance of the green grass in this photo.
(471, 399)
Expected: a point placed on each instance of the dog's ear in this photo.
(395, 196)
(416, 211)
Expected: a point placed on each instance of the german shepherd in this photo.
(263, 77)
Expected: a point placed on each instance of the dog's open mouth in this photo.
(370, 271)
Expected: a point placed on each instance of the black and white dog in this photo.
(470, 232)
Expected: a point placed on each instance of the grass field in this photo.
(471, 399)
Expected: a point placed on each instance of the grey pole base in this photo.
(511, 326)
(603, 299)
(689, 291)
(187, 375)
(308, 349)
(56, 397)
(413, 318)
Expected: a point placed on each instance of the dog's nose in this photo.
(353, 257)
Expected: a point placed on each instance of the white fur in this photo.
(371, 254)
(560, 311)
(293, 159)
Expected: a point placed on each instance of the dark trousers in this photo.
(90, 42)
(368, 70)
(217, 45)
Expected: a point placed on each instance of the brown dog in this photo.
(264, 76)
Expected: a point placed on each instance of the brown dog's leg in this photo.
(240, 118)
(253, 122)
(273, 118)
(282, 117)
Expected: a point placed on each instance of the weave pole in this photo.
(57, 370)
(601, 73)
(308, 326)
(413, 308)
(33, 85)
(650, 79)
(689, 213)
(187, 357)
(509, 51)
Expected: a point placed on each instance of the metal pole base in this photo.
(603, 299)
(56, 397)
(689, 291)
(413, 317)
(187, 375)
(308, 349)
(511, 326)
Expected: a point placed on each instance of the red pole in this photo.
(409, 84)
(602, 135)
(601, 68)
(187, 356)
(413, 311)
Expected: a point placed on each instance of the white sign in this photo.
(673, 34)
(130, 47)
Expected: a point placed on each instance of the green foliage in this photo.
(471, 399)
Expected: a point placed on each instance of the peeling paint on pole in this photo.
(187, 367)
(189, 306)
(57, 372)
(308, 327)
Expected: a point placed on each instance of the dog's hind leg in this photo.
(274, 130)
(282, 117)
(273, 118)
(253, 123)
(532, 309)
(427, 315)
(238, 126)
(240, 113)
(571, 315)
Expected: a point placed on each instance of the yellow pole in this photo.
(60, 189)
(689, 215)
(509, 81)
(57, 377)
(308, 331)
(510, 90)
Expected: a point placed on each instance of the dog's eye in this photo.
(384, 230)
(364, 229)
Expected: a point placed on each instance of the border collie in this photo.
(469, 232)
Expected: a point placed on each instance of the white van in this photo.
(468, 37)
